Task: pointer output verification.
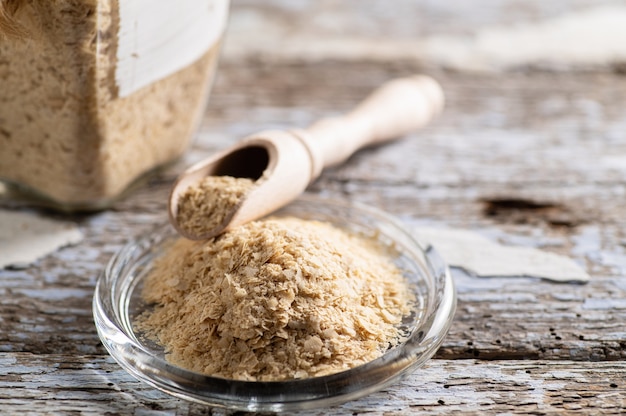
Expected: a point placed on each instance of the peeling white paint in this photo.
(55, 294)
(604, 303)
(587, 243)
(26, 237)
(473, 252)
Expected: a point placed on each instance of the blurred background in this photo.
(534, 91)
(482, 35)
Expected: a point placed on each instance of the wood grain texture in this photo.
(96, 385)
(528, 157)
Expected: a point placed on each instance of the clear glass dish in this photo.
(117, 302)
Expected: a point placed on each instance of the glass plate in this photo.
(117, 302)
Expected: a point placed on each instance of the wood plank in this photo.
(498, 318)
(506, 140)
(96, 385)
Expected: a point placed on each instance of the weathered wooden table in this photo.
(531, 149)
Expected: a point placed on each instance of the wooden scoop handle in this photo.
(393, 110)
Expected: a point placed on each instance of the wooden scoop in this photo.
(284, 163)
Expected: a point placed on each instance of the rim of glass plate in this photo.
(116, 283)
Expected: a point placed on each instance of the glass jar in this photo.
(96, 93)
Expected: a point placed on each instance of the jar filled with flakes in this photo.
(97, 93)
